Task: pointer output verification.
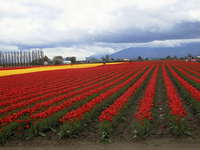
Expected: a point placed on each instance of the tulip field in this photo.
(130, 99)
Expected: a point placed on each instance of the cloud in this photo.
(5, 47)
(81, 52)
(77, 27)
(157, 43)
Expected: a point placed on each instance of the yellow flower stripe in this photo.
(48, 68)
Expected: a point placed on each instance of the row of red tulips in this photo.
(84, 94)
(79, 113)
(57, 90)
(174, 101)
(195, 93)
(88, 86)
(193, 72)
(114, 109)
(55, 83)
(14, 116)
(187, 75)
(145, 105)
(20, 102)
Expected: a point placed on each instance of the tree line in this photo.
(21, 58)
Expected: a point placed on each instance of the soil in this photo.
(77, 144)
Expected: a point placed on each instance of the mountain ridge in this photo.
(158, 52)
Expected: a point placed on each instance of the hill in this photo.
(158, 52)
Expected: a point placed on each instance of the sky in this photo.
(90, 27)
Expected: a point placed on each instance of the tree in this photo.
(92, 59)
(190, 56)
(106, 58)
(72, 59)
(168, 57)
(58, 60)
(46, 59)
(139, 58)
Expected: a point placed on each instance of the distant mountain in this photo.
(158, 52)
(98, 56)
